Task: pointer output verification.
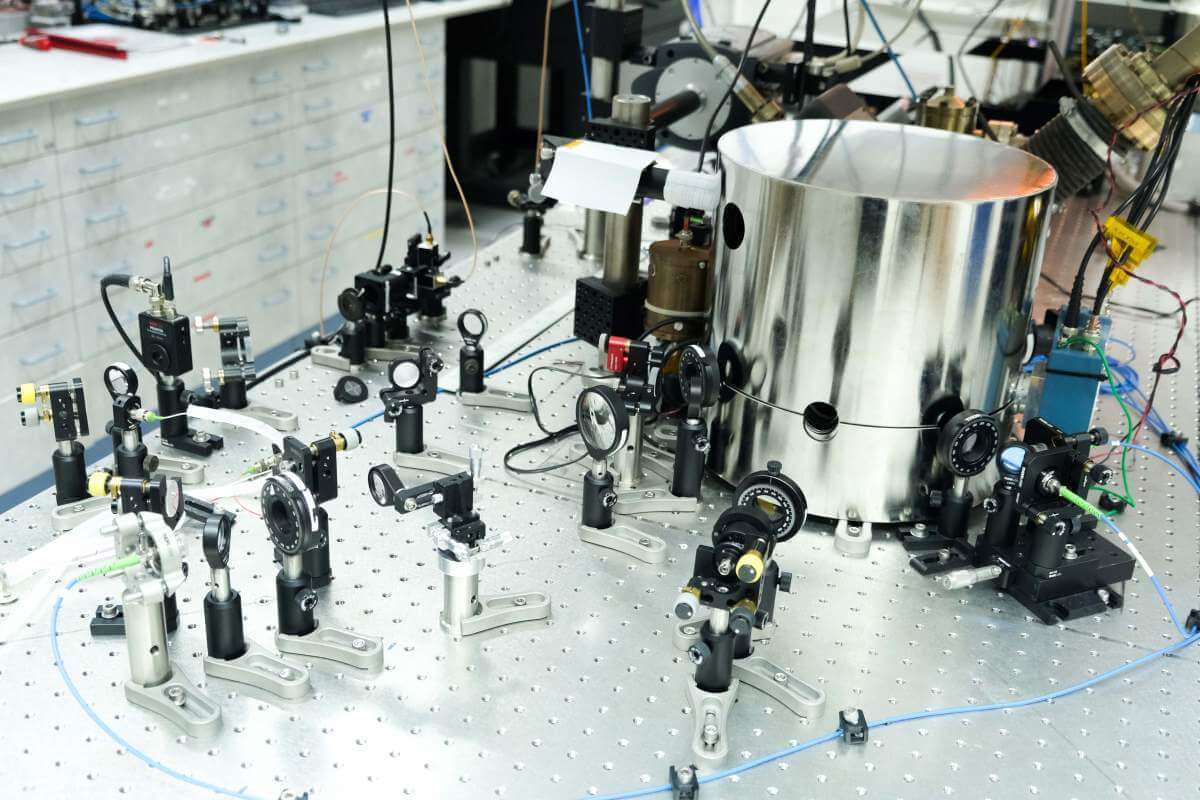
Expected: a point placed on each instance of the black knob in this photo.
(307, 600)
(785, 582)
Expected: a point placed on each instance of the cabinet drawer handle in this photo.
(274, 254)
(321, 106)
(317, 191)
(266, 209)
(106, 216)
(33, 359)
(260, 120)
(42, 235)
(275, 299)
(97, 119)
(99, 168)
(17, 138)
(263, 78)
(16, 191)
(317, 66)
(269, 161)
(36, 300)
(321, 233)
(319, 145)
(119, 266)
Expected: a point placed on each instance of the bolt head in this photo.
(359, 644)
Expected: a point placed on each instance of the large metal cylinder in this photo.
(146, 638)
(883, 272)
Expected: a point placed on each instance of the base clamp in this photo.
(429, 460)
(261, 668)
(67, 516)
(710, 734)
(498, 610)
(802, 699)
(497, 398)
(628, 540)
(180, 702)
(334, 644)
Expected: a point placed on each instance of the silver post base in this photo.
(178, 701)
(498, 610)
(628, 540)
(280, 420)
(391, 352)
(686, 634)
(801, 698)
(429, 460)
(326, 355)
(334, 644)
(653, 494)
(189, 471)
(66, 517)
(852, 538)
(710, 712)
(261, 668)
(497, 398)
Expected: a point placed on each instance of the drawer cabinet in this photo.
(237, 170)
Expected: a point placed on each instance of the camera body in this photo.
(166, 342)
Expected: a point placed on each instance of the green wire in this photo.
(1076, 500)
(1112, 383)
(115, 566)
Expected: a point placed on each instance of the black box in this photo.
(166, 343)
(601, 309)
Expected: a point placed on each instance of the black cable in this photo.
(278, 367)
(1153, 312)
(1068, 79)
(1148, 197)
(846, 22)
(122, 280)
(391, 81)
(733, 83)
(552, 439)
(931, 33)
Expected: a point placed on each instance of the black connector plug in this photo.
(1172, 438)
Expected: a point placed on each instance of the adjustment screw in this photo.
(359, 644)
(991, 505)
(175, 695)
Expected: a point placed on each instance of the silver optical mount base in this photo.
(628, 540)
(277, 418)
(262, 669)
(465, 612)
(326, 355)
(798, 696)
(334, 644)
(67, 516)
(189, 471)
(430, 460)
(652, 495)
(710, 717)
(497, 398)
(178, 701)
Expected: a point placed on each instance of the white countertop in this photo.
(30, 75)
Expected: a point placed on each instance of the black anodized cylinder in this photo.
(596, 514)
(410, 430)
(354, 346)
(715, 672)
(170, 403)
(952, 516)
(470, 369)
(70, 475)
(223, 627)
(688, 472)
(531, 234)
(233, 394)
(294, 618)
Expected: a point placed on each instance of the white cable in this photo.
(701, 39)
(227, 417)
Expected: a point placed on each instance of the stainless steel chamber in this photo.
(884, 270)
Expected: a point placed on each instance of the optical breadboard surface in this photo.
(593, 700)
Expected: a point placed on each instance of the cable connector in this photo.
(1172, 438)
(1192, 625)
(853, 725)
(685, 784)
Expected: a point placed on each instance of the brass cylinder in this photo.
(680, 287)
